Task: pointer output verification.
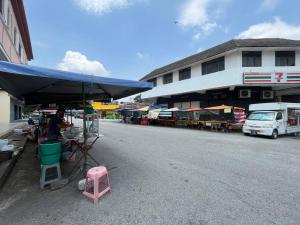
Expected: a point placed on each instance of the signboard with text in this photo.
(271, 77)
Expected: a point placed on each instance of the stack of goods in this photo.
(6, 150)
(239, 116)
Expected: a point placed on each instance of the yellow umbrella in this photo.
(100, 106)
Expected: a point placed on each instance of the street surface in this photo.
(171, 176)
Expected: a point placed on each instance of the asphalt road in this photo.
(172, 176)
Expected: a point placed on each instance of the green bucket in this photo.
(50, 148)
(50, 159)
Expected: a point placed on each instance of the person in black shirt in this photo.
(55, 124)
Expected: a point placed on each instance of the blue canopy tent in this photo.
(38, 85)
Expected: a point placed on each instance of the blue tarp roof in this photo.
(153, 107)
(42, 85)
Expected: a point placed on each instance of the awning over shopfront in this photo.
(194, 109)
(42, 85)
(103, 107)
(223, 107)
(171, 110)
(144, 109)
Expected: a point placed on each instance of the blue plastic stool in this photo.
(47, 177)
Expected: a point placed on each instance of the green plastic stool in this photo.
(48, 177)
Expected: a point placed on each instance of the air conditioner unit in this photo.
(267, 94)
(245, 93)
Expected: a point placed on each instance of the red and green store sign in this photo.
(272, 77)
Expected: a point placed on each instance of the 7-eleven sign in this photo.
(271, 77)
(279, 76)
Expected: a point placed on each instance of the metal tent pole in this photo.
(84, 117)
(84, 132)
(84, 148)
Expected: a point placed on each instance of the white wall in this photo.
(196, 70)
(268, 58)
(159, 81)
(5, 107)
(233, 60)
(175, 76)
(220, 79)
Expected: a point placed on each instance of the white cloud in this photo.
(275, 29)
(201, 15)
(101, 7)
(77, 62)
(268, 5)
(140, 55)
(194, 13)
(205, 30)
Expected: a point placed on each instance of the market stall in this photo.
(38, 85)
(144, 115)
(194, 115)
(222, 117)
(166, 117)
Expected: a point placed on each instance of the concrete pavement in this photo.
(170, 176)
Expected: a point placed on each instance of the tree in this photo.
(138, 99)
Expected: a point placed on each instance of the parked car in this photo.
(273, 119)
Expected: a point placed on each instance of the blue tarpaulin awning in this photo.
(42, 85)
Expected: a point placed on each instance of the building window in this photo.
(185, 74)
(20, 112)
(251, 59)
(153, 81)
(5, 11)
(285, 58)
(213, 66)
(15, 112)
(15, 36)
(20, 50)
(168, 78)
(8, 17)
(1, 6)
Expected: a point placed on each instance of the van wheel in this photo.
(296, 134)
(274, 134)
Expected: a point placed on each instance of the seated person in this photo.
(55, 124)
(30, 121)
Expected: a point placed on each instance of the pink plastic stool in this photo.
(96, 183)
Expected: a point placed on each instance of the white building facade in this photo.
(15, 46)
(238, 72)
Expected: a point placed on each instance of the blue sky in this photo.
(129, 38)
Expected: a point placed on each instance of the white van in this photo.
(273, 119)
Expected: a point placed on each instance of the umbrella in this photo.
(38, 85)
(222, 107)
(42, 85)
(153, 114)
(194, 109)
(100, 106)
